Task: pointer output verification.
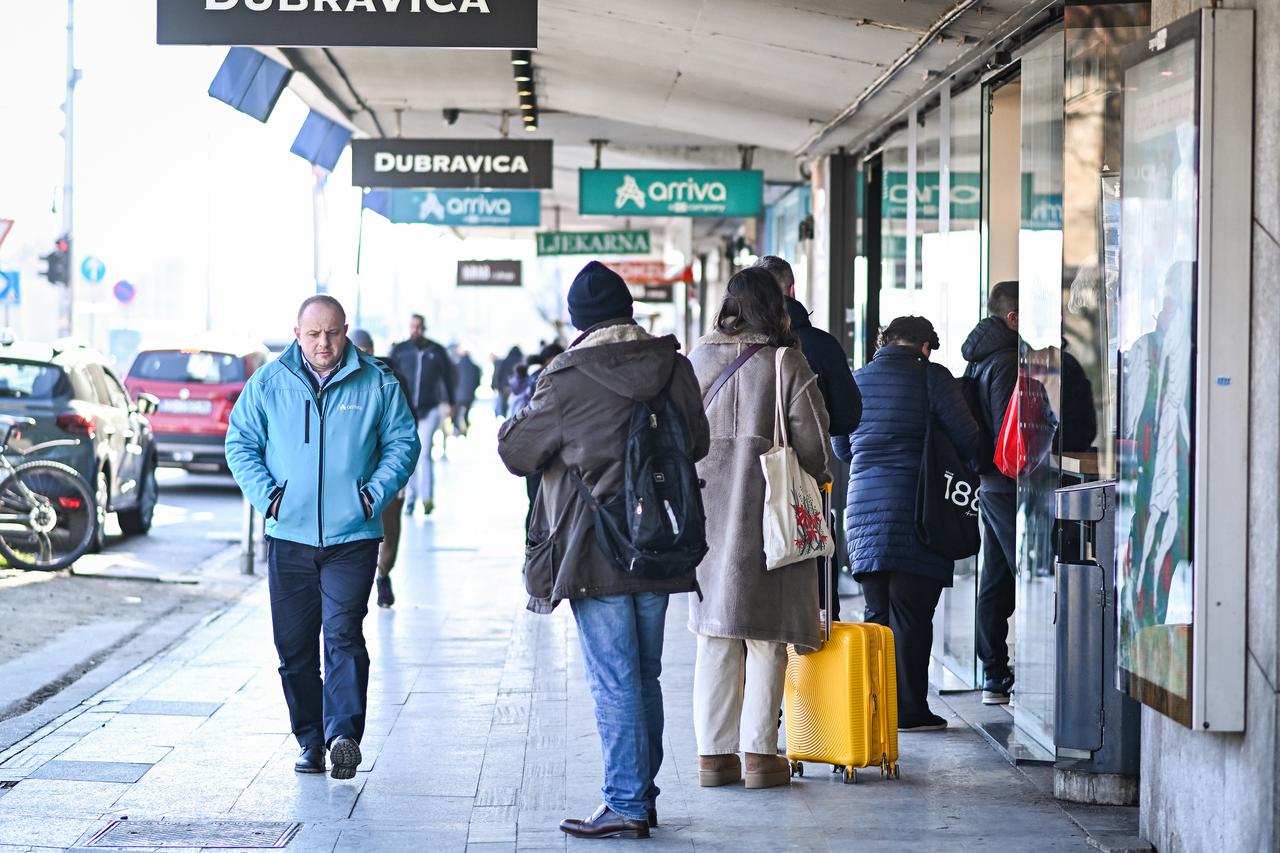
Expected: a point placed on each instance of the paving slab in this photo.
(480, 734)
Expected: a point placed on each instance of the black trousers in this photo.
(997, 587)
(313, 588)
(905, 603)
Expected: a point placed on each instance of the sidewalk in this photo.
(480, 736)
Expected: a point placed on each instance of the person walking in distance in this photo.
(901, 578)
(340, 443)
(575, 431)
(829, 363)
(747, 615)
(391, 512)
(433, 383)
(992, 350)
(465, 393)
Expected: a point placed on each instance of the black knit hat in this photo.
(596, 295)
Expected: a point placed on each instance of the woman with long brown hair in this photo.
(748, 614)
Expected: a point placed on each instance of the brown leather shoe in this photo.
(717, 770)
(767, 771)
(605, 823)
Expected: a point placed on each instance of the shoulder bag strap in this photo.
(728, 372)
(779, 409)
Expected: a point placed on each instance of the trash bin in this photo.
(1096, 726)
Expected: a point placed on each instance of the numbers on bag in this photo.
(961, 493)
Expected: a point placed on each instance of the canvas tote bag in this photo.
(795, 527)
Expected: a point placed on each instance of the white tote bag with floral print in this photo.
(795, 528)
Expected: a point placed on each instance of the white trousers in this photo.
(422, 483)
(737, 692)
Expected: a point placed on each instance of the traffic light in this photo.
(58, 262)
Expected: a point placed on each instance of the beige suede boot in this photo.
(767, 771)
(717, 770)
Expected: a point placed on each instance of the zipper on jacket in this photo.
(306, 422)
(320, 490)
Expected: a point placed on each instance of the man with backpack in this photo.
(615, 425)
(992, 350)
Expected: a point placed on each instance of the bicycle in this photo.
(47, 510)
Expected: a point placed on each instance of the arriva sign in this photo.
(670, 192)
(349, 23)
(476, 208)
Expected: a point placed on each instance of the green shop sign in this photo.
(966, 195)
(593, 243)
(670, 192)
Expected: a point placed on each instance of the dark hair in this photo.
(910, 331)
(550, 351)
(779, 269)
(754, 303)
(1003, 299)
(419, 318)
(322, 299)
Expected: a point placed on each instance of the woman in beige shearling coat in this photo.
(747, 614)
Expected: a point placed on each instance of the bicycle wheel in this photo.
(47, 516)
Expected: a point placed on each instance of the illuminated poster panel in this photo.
(1157, 310)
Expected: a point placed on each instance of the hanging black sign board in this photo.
(498, 164)
(349, 23)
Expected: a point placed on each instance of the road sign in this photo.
(594, 243)
(477, 208)
(93, 269)
(124, 292)
(451, 163)
(6, 225)
(350, 23)
(670, 192)
(10, 292)
(489, 274)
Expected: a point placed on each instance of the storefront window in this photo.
(1040, 325)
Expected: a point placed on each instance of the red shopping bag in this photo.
(1026, 434)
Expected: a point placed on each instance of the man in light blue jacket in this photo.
(320, 441)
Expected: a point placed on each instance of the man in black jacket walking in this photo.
(840, 392)
(433, 381)
(992, 350)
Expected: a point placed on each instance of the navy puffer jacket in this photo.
(885, 453)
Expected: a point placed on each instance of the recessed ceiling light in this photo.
(531, 127)
(520, 57)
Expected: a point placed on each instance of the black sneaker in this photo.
(996, 691)
(927, 723)
(386, 597)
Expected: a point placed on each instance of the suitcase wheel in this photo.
(850, 776)
(797, 769)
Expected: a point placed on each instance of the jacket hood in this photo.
(623, 358)
(799, 314)
(988, 337)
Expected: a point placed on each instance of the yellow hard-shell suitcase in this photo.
(842, 701)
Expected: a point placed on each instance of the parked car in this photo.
(85, 418)
(196, 387)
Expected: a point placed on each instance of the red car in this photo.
(196, 387)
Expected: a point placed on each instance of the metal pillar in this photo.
(67, 297)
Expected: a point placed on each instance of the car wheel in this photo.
(101, 498)
(137, 521)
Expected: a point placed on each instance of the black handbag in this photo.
(946, 494)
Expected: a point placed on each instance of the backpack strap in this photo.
(728, 372)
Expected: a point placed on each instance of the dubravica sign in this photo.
(349, 23)
(451, 163)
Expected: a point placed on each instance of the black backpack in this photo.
(973, 389)
(655, 528)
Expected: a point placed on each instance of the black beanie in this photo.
(596, 295)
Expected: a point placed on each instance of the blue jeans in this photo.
(621, 639)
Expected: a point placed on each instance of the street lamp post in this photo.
(67, 297)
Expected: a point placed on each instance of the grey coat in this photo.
(741, 599)
(578, 422)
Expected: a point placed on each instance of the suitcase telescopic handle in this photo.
(824, 566)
